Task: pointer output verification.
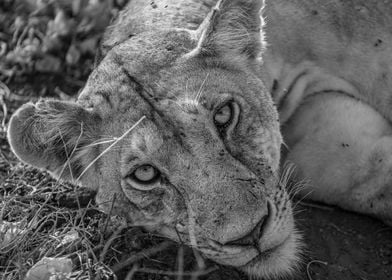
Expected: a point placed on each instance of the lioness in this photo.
(177, 128)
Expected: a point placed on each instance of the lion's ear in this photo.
(233, 28)
(53, 135)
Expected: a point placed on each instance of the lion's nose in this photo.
(242, 224)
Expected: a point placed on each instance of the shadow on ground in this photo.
(345, 246)
(340, 245)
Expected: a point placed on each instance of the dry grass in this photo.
(44, 218)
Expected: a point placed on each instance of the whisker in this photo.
(287, 173)
(100, 143)
(298, 187)
(301, 199)
(104, 138)
(69, 157)
(199, 93)
(186, 89)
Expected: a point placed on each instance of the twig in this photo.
(338, 229)
(180, 263)
(110, 213)
(173, 273)
(4, 94)
(308, 267)
(109, 242)
(132, 272)
(141, 255)
(111, 146)
(317, 206)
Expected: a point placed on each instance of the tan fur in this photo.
(328, 66)
(328, 70)
(346, 152)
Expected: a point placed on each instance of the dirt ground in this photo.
(345, 246)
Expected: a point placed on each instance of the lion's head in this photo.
(176, 130)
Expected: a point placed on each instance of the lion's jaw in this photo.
(275, 251)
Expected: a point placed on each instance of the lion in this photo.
(177, 128)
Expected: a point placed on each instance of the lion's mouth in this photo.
(252, 238)
(251, 248)
(242, 254)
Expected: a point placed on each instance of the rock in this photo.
(48, 64)
(50, 268)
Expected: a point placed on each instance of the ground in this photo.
(345, 246)
(40, 217)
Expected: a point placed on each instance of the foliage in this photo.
(38, 36)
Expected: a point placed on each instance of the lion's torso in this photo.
(329, 69)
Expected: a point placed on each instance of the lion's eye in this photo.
(145, 174)
(224, 115)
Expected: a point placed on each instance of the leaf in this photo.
(61, 25)
(70, 237)
(89, 45)
(8, 232)
(78, 6)
(73, 55)
(50, 268)
(48, 64)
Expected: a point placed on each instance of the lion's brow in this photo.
(190, 104)
(106, 96)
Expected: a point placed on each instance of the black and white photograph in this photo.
(195, 139)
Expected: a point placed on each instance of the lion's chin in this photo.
(281, 261)
(277, 262)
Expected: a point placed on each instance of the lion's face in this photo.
(179, 139)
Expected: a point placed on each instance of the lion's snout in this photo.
(231, 214)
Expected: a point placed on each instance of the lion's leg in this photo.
(344, 148)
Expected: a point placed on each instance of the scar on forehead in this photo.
(146, 139)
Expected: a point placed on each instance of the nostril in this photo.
(252, 237)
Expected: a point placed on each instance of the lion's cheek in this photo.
(265, 149)
(116, 203)
(271, 149)
(155, 207)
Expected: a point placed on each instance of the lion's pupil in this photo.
(223, 115)
(145, 173)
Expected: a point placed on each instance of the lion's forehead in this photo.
(114, 90)
(156, 137)
(142, 57)
(156, 61)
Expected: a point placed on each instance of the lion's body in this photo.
(169, 71)
(341, 142)
(350, 40)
